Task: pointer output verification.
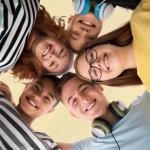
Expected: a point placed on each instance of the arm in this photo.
(64, 146)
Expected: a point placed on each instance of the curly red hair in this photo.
(27, 66)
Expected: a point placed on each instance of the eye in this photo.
(52, 64)
(74, 101)
(47, 98)
(75, 33)
(84, 89)
(90, 38)
(61, 51)
(36, 87)
(92, 56)
(95, 72)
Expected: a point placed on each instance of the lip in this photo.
(50, 46)
(107, 61)
(90, 104)
(82, 22)
(33, 102)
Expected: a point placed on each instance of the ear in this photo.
(99, 86)
(51, 110)
(27, 84)
(72, 114)
(69, 19)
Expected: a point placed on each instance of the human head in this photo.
(110, 42)
(38, 97)
(83, 29)
(85, 100)
(49, 49)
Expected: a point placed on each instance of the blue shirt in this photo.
(132, 132)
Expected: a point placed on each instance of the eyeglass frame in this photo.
(93, 66)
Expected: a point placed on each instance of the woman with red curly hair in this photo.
(32, 43)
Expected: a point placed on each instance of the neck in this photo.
(128, 57)
(25, 117)
(109, 116)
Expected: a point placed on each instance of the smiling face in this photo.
(52, 55)
(84, 99)
(83, 29)
(38, 98)
(110, 61)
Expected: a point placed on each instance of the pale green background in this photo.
(60, 125)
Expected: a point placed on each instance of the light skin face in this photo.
(79, 95)
(111, 60)
(53, 56)
(83, 29)
(41, 92)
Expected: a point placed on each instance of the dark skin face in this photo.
(37, 99)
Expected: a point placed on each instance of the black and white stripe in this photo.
(18, 17)
(15, 134)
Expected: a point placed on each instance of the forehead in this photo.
(71, 87)
(47, 84)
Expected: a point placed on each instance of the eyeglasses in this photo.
(95, 73)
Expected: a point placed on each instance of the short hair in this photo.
(55, 79)
(62, 81)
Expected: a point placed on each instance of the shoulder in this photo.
(47, 139)
(82, 144)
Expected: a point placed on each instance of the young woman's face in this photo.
(53, 56)
(109, 61)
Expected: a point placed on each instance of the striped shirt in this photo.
(16, 135)
(17, 18)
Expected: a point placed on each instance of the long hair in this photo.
(27, 66)
(119, 37)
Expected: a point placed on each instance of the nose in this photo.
(37, 96)
(84, 30)
(96, 63)
(84, 100)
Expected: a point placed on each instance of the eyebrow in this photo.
(77, 90)
(41, 85)
(51, 95)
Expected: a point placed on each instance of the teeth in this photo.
(106, 62)
(45, 52)
(90, 106)
(32, 103)
(87, 23)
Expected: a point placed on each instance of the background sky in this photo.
(60, 125)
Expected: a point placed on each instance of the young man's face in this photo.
(83, 29)
(38, 98)
(84, 99)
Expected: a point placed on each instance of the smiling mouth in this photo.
(90, 106)
(106, 61)
(46, 51)
(32, 102)
(89, 24)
